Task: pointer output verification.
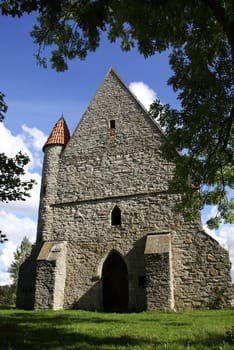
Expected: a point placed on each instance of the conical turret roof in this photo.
(59, 135)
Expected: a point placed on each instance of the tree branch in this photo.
(222, 17)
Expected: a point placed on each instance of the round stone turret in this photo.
(53, 147)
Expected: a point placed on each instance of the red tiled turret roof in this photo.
(59, 135)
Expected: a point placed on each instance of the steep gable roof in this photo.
(112, 71)
(59, 135)
(112, 74)
(115, 150)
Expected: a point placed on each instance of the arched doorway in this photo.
(115, 284)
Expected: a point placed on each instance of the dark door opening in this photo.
(115, 284)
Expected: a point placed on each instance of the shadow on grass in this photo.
(42, 331)
(51, 339)
(27, 330)
(7, 307)
(39, 335)
(26, 338)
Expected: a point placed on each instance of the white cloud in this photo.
(216, 236)
(35, 140)
(143, 92)
(225, 234)
(37, 137)
(10, 144)
(6, 257)
(29, 142)
(30, 205)
(18, 219)
(15, 228)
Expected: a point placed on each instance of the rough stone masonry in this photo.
(108, 237)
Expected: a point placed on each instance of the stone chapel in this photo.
(108, 237)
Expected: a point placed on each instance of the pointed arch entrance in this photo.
(115, 284)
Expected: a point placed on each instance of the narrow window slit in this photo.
(112, 124)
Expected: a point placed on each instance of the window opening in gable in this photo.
(112, 124)
(116, 216)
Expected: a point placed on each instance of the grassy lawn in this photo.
(82, 330)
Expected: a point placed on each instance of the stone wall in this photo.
(191, 253)
(48, 191)
(87, 228)
(201, 270)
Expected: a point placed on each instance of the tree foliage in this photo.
(7, 295)
(3, 237)
(19, 256)
(200, 36)
(12, 187)
(3, 106)
(203, 174)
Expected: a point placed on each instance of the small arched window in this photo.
(116, 216)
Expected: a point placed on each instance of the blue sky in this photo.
(37, 98)
(43, 94)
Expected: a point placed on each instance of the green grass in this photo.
(82, 330)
